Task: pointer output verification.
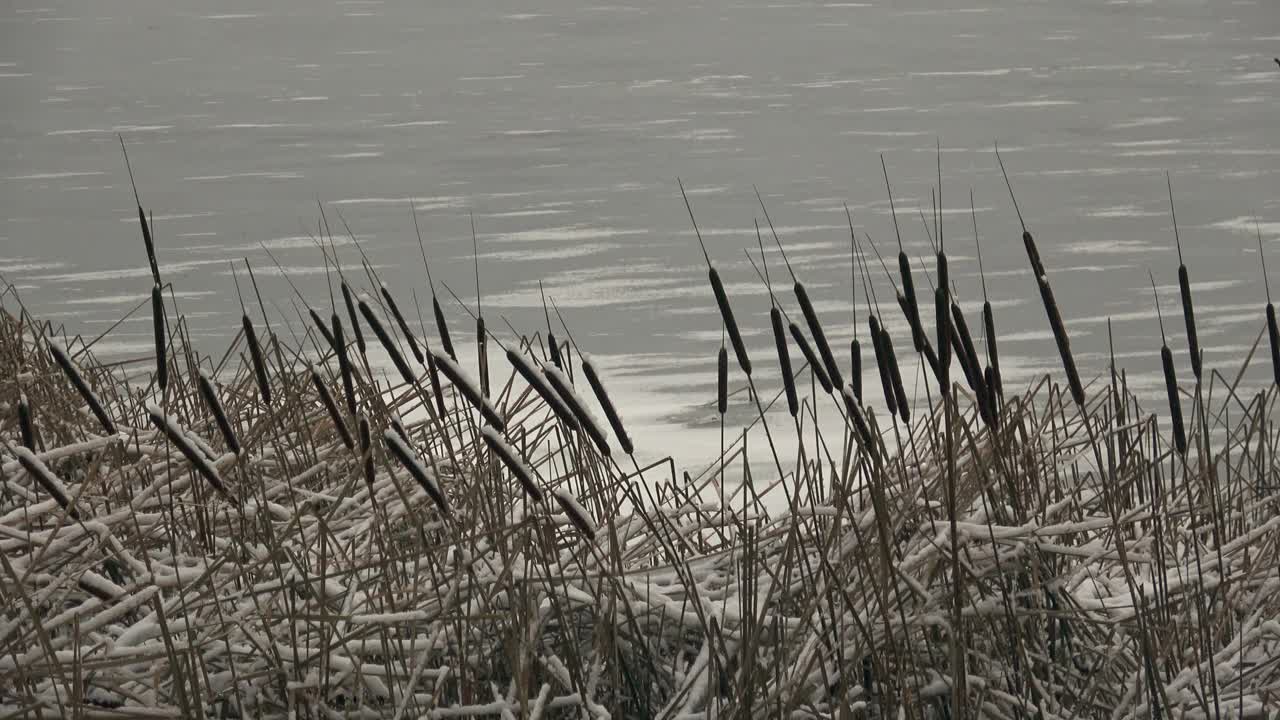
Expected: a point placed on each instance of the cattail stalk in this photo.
(68, 369)
(219, 412)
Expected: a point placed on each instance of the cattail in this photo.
(855, 362)
(907, 299)
(366, 452)
(993, 356)
(1032, 253)
(815, 365)
(722, 381)
(426, 480)
(404, 326)
(321, 326)
(1175, 402)
(606, 404)
(398, 425)
(560, 382)
(46, 479)
(819, 337)
(443, 328)
(1274, 336)
(555, 350)
(895, 377)
(436, 389)
(326, 398)
(64, 362)
(344, 365)
(179, 438)
(150, 245)
(784, 360)
(540, 386)
(469, 390)
(219, 413)
(859, 417)
(1063, 342)
(973, 366)
(355, 321)
(259, 362)
(942, 315)
(943, 282)
(993, 396)
(387, 343)
(157, 321)
(511, 459)
(575, 512)
(726, 314)
(482, 345)
(25, 426)
(882, 364)
(1189, 317)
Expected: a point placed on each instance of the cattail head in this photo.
(855, 373)
(1063, 342)
(815, 365)
(210, 396)
(45, 478)
(366, 453)
(387, 343)
(1033, 254)
(561, 384)
(859, 418)
(321, 326)
(819, 337)
(730, 324)
(895, 377)
(77, 381)
(942, 316)
(355, 320)
(400, 450)
(993, 355)
(404, 326)
(784, 360)
(259, 361)
(1189, 318)
(182, 439)
(344, 366)
(25, 426)
(1274, 336)
(442, 327)
(606, 404)
(971, 364)
(469, 391)
(535, 380)
(157, 321)
(326, 399)
(1175, 402)
(482, 347)
(575, 512)
(554, 348)
(907, 300)
(511, 459)
(882, 364)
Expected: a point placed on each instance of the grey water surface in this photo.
(563, 125)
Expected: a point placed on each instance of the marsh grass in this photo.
(233, 545)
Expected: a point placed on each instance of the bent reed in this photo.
(283, 532)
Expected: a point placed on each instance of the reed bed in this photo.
(195, 536)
